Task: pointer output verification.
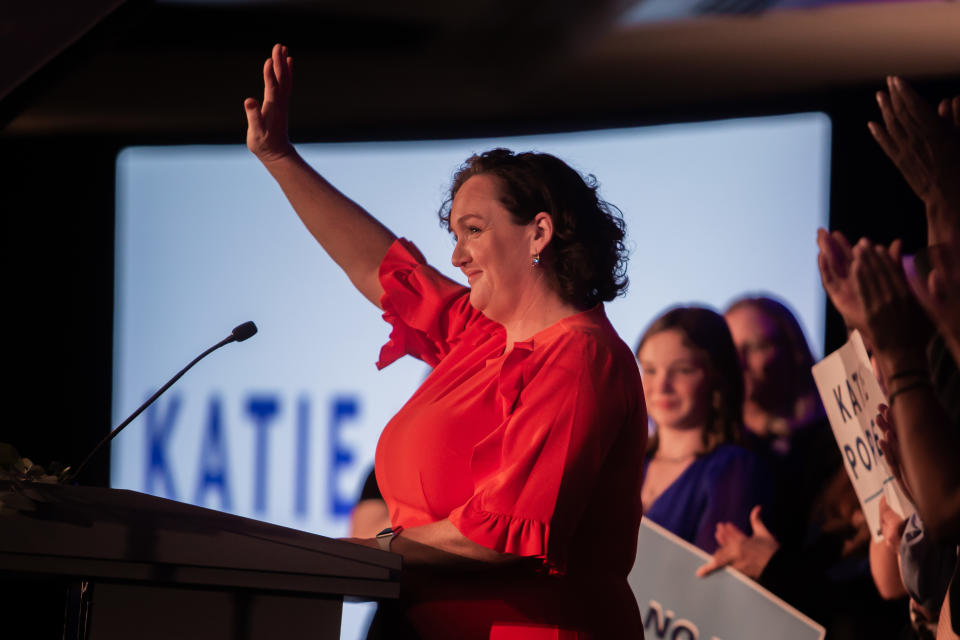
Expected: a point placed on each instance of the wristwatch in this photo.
(385, 537)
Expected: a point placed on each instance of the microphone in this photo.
(239, 334)
(243, 331)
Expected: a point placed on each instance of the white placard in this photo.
(675, 603)
(851, 396)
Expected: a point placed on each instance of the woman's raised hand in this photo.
(267, 123)
(332, 218)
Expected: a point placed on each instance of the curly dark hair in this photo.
(587, 254)
(706, 331)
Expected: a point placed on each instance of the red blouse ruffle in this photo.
(504, 532)
(413, 293)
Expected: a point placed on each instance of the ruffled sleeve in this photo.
(427, 310)
(535, 473)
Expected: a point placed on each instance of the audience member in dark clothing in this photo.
(782, 412)
(815, 553)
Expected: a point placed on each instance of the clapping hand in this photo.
(267, 134)
(835, 260)
(747, 554)
(924, 144)
(894, 320)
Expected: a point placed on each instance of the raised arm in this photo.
(440, 544)
(355, 240)
(929, 448)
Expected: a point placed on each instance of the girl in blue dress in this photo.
(696, 474)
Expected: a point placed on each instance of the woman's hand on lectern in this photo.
(267, 134)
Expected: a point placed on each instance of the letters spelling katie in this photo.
(263, 412)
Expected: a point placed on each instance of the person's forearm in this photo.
(929, 461)
(441, 543)
(885, 569)
(943, 220)
(355, 240)
(369, 518)
(928, 446)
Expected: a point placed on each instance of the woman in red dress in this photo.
(512, 475)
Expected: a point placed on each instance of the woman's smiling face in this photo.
(492, 250)
(675, 381)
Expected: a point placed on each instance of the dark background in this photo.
(80, 82)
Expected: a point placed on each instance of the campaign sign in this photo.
(677, 605)
(851, 396)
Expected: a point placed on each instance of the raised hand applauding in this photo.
(924, 143)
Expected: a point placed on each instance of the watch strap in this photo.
(385, 537)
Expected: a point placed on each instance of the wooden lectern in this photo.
(143, 567)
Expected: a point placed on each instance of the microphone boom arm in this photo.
(239, 334)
